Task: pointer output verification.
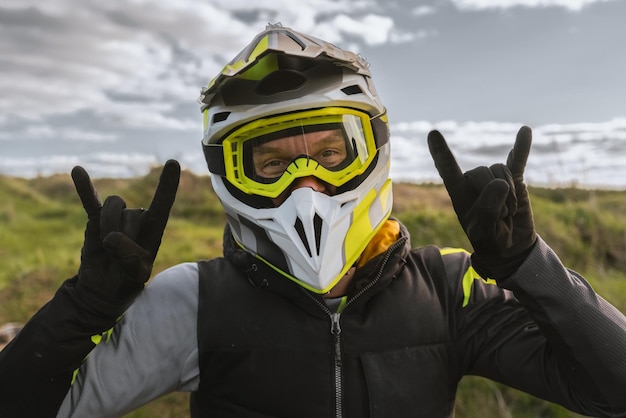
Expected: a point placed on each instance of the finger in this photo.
(491, 207)
(165, 193)
(479, 177)
(501, 171)
(134, 260)
(86, 192)
(445, 162)
(111, 215)
(519, 154)
(131, 222)
(91, 203)
(159, 211)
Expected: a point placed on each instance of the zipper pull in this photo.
(335, 328)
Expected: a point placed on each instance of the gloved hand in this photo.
(120, 244)
(492, 205)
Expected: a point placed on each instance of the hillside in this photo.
(42, 221)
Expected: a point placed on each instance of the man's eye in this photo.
(331, 157)
(272, 168)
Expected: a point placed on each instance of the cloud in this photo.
(99, 164)
(372, 29)
(562, 154)
(574, 5)
(423, 10)
(71, 55)
(82, 57)
(50, 132)
(505, 132)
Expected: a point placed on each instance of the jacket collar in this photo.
(371, 277)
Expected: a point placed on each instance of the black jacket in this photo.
(418, 320)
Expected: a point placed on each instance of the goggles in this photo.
(265, 156)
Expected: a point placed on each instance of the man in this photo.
(319, 307)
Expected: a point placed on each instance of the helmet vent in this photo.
(300, 229)
(280, 81)
(317, 228)
(220, 117)
(354, 89)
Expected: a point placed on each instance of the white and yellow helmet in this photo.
(286, 81)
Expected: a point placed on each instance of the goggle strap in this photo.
(214, 155)
(381, 131)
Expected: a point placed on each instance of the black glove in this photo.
(120, 244)
(492, 205)
(36, 368)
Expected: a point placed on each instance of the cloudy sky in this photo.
(113, 85)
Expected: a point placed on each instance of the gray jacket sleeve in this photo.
(150, 352)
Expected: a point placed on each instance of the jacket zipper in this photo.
(335, 327)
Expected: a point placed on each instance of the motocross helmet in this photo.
(286, 84)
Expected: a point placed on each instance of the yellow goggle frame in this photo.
(357, 125)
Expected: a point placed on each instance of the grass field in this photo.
(42, 221)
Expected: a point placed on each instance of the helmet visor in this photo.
(265, 156)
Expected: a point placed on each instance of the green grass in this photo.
(41, 233)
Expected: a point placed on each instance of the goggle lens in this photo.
(265, 156)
